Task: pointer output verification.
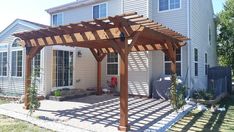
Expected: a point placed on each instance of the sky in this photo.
(34, 10)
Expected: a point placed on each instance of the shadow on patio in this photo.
(144, 114)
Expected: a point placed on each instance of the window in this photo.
(168, 4)
(209, 34)
(99, 11)
(206, 64)
(16, 63)
(168, 63)
(63, 68)
(16, 43)
(112, 64)
(36, 64)
(16, 59)
(3, 64)
(57, 19)
(196, 61)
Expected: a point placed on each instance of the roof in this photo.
(99, 34)
(27, 23)
(77, 3)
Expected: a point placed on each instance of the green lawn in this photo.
(8, 124)
(207, 121)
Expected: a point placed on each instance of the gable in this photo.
(6, 36)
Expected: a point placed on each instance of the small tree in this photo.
(33, 100)
(177, 93)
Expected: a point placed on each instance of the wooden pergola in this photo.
(120, 34)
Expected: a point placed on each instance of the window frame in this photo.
(1, 74)
(112, 63)
(33, 64)
(99, 9)
(206, 64)
(209, 35)
(16, 49)
(52, 20)
(168, 10)
(54, 87)
(181, 62)
(196, 71)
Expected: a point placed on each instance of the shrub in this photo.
(57, 93)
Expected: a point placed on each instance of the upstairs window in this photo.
(16, 43)
(100, 11)
(165, 5)
(167, 63)
(57, 19)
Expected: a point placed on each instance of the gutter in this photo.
(189, 47)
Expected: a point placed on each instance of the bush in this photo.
(57, 93)
(202, 94)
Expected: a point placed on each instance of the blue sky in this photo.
(34, 10)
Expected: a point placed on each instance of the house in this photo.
(75, 68)
(192, 18)
(12, 58)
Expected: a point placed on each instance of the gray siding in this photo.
(14, 85)
(201, 17)
(176, 20)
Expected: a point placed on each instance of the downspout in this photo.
(189, 47)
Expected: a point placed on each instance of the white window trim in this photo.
(99, 9)
(69, 49)
(17, 49)
(52, 20)
(2, 51)
(169, 10)
(196, 62)
(181, 62)
(205, 63)
(33, 64)
(113, 63)
(209, 34)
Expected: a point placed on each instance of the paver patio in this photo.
(101, 113)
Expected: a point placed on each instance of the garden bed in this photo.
(68, 94)
(212, 101)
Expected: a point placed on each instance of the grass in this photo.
(207, 121)
(8, 124)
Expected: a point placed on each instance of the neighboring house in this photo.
(12, 58)
(193, 18)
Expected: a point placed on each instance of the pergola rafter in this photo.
(120, 34)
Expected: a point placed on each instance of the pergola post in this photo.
(99, 77)
(123, 126)
(27, 80)
(99, 56)
(30, 53)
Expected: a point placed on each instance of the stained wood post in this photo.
(27, 79)
(123, 126)
(99, 78)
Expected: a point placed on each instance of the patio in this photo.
(101, 113)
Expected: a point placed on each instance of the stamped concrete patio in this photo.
(101, 113)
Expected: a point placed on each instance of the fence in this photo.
(220, 79)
